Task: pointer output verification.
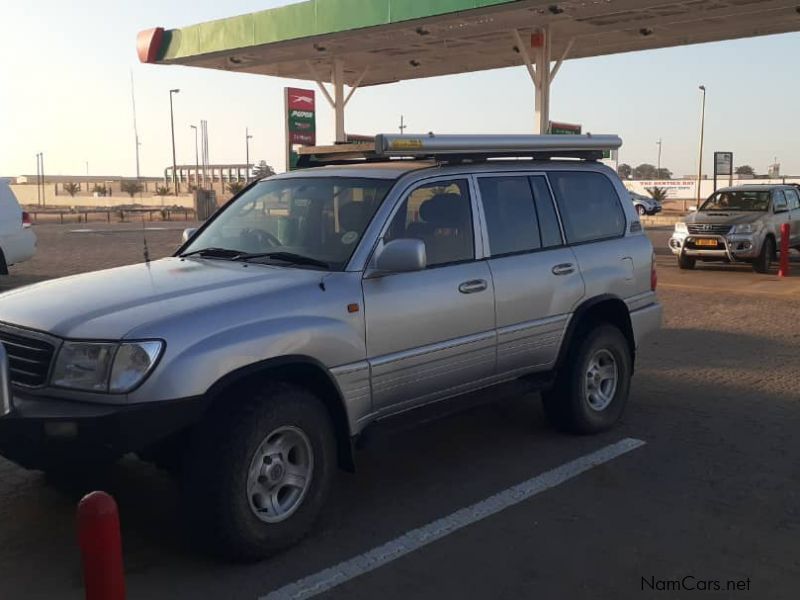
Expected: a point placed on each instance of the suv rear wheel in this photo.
(764, 260)
(592, 388)
(259, 475)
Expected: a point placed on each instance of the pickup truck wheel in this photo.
(592, 389)
(259, 475)
(686, 262)
(641, 210)
(764, 260)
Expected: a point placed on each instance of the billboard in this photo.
(301, 122)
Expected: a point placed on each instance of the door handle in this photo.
(564, 269)
(473, 287)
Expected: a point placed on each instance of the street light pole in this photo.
(172, 125)
(196, 159)
(247, 138)
(702, 135)
(658, 143)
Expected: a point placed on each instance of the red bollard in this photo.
(101, 547)
(785, 234)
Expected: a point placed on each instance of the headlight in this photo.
(745, 228)
(681, 228)
(102, 367)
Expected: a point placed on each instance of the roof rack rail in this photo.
(460, 148)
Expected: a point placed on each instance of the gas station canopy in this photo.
(371, 42)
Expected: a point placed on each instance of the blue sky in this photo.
(64, 90)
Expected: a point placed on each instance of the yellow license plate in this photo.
(706, 242)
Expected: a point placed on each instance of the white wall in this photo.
(686, 189)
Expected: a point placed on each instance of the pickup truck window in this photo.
(738, 200)
(319, 218)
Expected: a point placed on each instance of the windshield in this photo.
(739, 200)
(313, 222)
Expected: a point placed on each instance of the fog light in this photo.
(61, 429)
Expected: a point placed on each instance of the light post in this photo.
(196, 159)
(702, 135)
(658, 172)
(247, 138)
(172, 125)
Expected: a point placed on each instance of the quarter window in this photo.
(589, 205)
(440, 215)
(793, 198)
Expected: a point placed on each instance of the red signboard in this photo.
(300, 99)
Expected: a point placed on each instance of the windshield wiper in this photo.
(290, 257)
(214, 253)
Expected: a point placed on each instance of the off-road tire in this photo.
(686, 263)
(215, 472)
(765, 258)
(641, 210)
(566, 405)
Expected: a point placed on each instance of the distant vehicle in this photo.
(321, 301)
(739, 224)
(17, 240)
(645, 205)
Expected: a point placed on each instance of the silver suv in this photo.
(739, 225)
(320, 301)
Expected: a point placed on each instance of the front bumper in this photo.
(731, 248)
(39, 432)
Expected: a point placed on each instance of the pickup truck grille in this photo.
(709, 229)
(29, 358)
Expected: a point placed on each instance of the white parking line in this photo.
(414, 540)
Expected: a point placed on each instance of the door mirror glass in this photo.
(401, 256)
(188, 233)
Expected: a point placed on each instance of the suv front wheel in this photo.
(765, 258)
(259, 472)
(592, 388)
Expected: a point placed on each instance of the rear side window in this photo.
(589, 206)
(793, 198)
(510, 214)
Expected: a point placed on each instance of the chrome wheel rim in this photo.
(602, 376)
(280, 474)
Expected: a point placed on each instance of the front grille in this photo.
(29, 358)
(709, 229)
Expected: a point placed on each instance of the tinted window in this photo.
(793, 198)
(548, 220)
(589, 206)
(510, 215)
(779, 201)
(440, 215)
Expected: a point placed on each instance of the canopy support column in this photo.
(337, 78)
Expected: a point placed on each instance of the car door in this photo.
(793, 199)
(430, 333)
(536, 278)
(781, 215)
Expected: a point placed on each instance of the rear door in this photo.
(430, 333)
(781, 215)
(536, 278)
(595, 226)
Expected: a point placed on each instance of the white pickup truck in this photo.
(17, 240)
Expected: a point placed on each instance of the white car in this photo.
(17, 239)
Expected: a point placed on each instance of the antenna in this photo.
(144, 239)
(135, 128)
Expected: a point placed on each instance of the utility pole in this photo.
(196, 159)
(41, 159)
(38, 182)
(135, 129)
(658, 143)
(702, 135)
(403, 126)
(247, 138)
(172, 125)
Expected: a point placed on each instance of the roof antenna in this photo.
(144, 239)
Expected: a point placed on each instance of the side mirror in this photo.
(401, 256)
(188, 233)
(778, 210)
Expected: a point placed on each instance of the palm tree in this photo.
(162, 190)
(234, 187)
(99, 189)
(131, 187)
(72, 188)
(658, 194)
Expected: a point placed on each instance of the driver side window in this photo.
(778, 201)
(439, 214)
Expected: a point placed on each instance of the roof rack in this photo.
(460, 148)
